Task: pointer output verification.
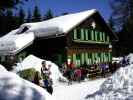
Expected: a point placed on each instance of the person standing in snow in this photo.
(77, 73)
(103, 68)
(69, 71)
(46, 77)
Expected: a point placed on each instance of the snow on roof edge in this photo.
(94, 11)
(60, 22)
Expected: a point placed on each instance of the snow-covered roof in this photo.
(12, 43)
(57, 25)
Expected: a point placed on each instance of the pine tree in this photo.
(36, 15)
(29, 17)
(122, 19)
(121, 11)
(4, 4)
(65, 13)
(111, 23)
(21, 16)
(48, 15)
(7, 20)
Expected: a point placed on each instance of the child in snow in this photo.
(46, 77)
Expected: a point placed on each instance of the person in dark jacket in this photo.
(46, 77)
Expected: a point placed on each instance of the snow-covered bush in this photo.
(28, 74)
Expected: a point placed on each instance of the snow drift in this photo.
(117, 87)
(12, 87)
(34, 62)
(2, 68)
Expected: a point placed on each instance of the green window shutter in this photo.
(89, 61)
(78, 60)
(78, 63)
(96, 35)
(89, 58)
(82, 58)
(82, 34)
(93, 58)
(108, 39)
(105, 59)
(96, 57)
(86, 34)
(103, 36)
(110, 57)
(102, 59)
(86, 58)
(75, 34)
(92, 35)
(74, 59)
(99, 57)
(100, 36)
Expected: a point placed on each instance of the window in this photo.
(98, 36)
(78, 34)
(99, 57)
(107, 38)
(23, 30)
(89, 35)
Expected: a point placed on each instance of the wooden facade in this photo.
(83, 45)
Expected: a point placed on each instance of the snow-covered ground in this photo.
(17, 88)
(62, 91)
(117, 87)
(76, 91)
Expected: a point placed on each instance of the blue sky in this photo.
(61, 6)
